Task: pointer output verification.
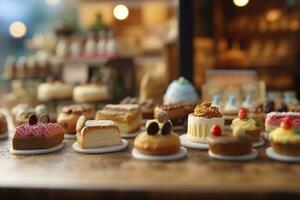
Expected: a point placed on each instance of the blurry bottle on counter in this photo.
(101, 45)
(76, 47)
(216, 100)
(62, 47)
(111, 45)
(10, 67)
(90, 47)
(290, 98)
(248, 102)
(32, 67)
(22, 69)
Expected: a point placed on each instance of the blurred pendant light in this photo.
(52, 2)
(17, 29)
(121, 12)
(240, 3)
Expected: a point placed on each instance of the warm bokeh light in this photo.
(121, 12)
(17, 29)
(240, 3)
(52, 2)
(273, 15)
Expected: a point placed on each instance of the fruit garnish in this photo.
(286, 123)
(216, 130)
(297, 131)
(257, 123)
(243, 113)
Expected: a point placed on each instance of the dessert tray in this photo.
(248, 157)
(100, 150)
(260, 143)
(3, 136)
(37, 151)
(177, 156)
(190, 144)
(283, 158)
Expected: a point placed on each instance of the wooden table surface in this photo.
(197, 174)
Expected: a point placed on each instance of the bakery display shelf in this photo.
(94, 61)
(196, 174)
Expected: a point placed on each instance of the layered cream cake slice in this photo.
(97, 133)
(128, 117)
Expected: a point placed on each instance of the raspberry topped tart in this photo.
(250, 126)
(201, 120)
(285, 140)
(37, 134)
(232, 144)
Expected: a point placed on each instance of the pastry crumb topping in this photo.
(206, 110)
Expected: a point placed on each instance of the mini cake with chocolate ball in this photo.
(69, 115)
(3, 124)
(236, 144)
(250, 126)
(201, 120)
(158, 139)
(38, 133)
(285, 140)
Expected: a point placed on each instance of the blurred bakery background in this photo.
(137, 47)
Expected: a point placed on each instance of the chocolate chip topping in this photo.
(269, 106)
(167, 128)
(152, 128)
(32, 119)
(162, 117)
(44, 118)
(282, 107)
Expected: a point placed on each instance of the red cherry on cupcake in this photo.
(243, 113)
(216, 130)
(286, 123)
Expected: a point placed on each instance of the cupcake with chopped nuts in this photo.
(201, 120)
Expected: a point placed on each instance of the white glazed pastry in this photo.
(181, 91)
(54, 91)
(90, 93)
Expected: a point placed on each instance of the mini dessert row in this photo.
(57, 90)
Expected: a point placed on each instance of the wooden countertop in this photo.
(197, 173)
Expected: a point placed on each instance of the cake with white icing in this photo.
(201, 120)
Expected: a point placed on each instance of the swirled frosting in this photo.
(39, 129)
(285, 135)
(246, 124)
(206, 110)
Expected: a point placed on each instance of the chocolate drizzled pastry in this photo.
(206, 110)
(271, 106)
